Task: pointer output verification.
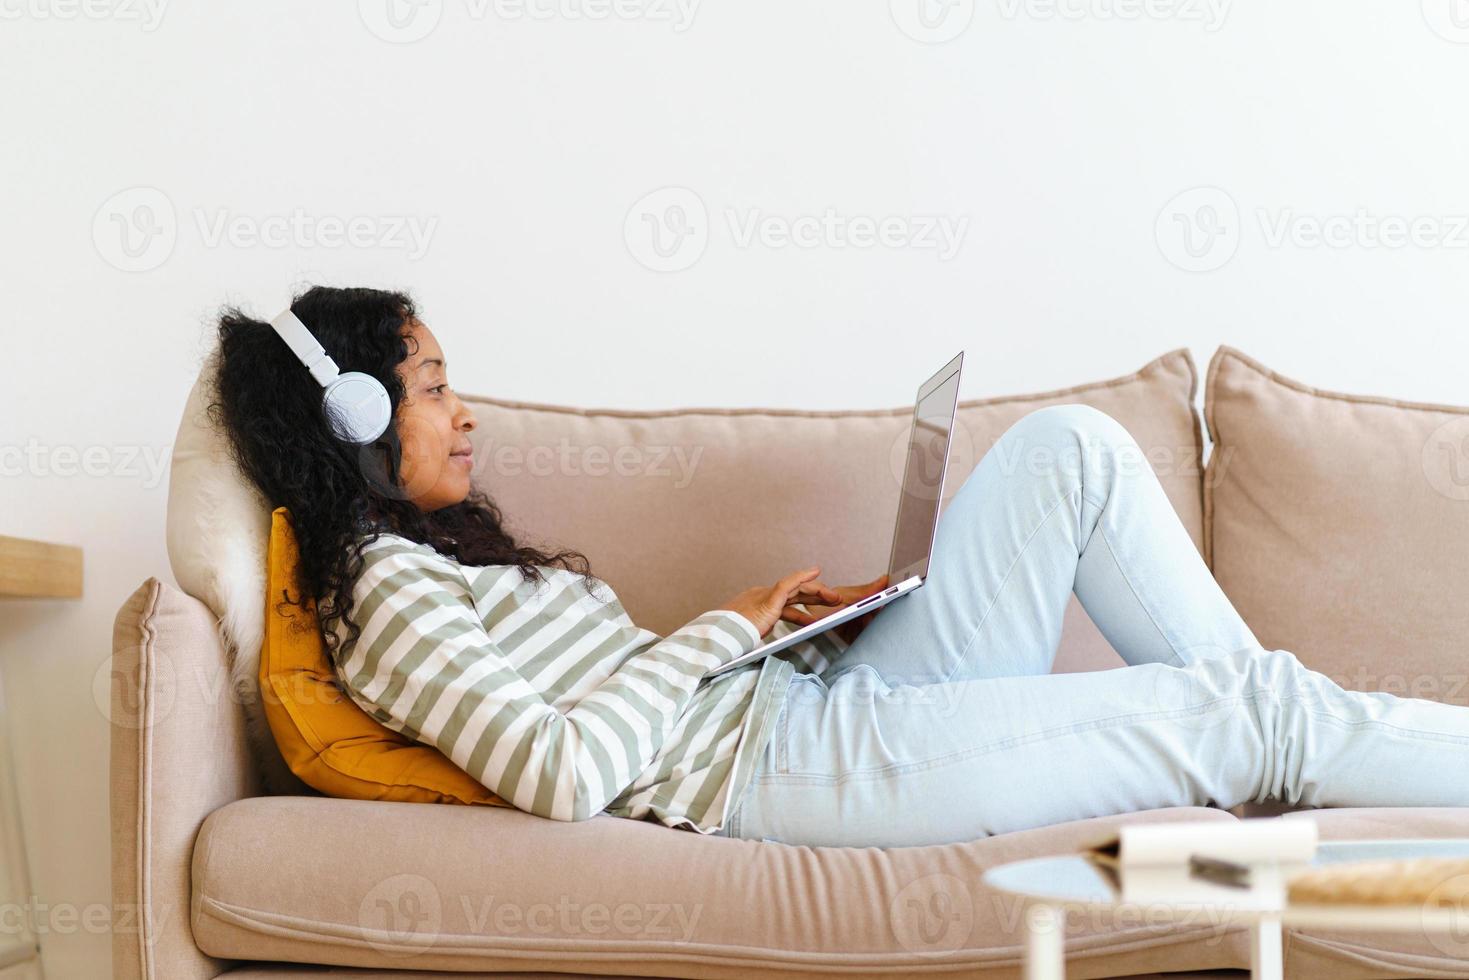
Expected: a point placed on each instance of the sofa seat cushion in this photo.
(1355, 955)
(412, 886)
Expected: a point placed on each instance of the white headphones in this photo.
(356, 404)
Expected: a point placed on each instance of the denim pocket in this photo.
(806, 692)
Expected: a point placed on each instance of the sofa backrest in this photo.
(1339, 527)
(679, 510)
(676, 510)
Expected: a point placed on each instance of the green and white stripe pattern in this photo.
(553, 698)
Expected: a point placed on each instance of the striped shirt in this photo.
(553, 699)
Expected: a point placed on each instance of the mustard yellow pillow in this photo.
(330, 743)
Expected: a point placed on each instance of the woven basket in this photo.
(1434, 882)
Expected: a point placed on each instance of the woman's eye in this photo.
(439, 389)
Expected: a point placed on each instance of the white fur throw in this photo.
(218, 533)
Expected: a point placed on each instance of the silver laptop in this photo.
(924, 466)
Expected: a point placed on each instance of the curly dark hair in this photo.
(341, 497)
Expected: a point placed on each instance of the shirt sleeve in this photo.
(425, 666)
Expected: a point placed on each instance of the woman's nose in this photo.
(466, 418)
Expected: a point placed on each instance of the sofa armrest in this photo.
(179, 752)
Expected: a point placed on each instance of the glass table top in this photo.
(1074, 878)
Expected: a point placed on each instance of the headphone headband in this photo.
(306, 347)
(356, 405)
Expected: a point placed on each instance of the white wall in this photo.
(1059, 133)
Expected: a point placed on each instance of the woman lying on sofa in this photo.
(936, 720)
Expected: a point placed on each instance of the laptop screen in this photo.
(923, 471)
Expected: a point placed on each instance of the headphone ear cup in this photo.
(357, 407)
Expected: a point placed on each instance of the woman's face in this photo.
(433, 426)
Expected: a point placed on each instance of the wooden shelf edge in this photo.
(39, 570)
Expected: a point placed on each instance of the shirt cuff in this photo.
(750, 631)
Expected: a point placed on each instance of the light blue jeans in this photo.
(943, 723)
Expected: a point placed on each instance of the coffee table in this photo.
(1051, 886)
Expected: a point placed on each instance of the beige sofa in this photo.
(1326, 517)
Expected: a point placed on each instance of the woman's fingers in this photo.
(820, 594)
(802, 586)
(793, 615)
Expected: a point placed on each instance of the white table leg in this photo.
(1267, 949)
(1045, 943)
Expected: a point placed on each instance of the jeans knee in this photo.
(1075, 419)
(1074, 438)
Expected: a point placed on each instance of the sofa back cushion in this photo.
(679, 510)
(1339, 527)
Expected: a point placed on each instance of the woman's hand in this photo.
(765, 605)
(852, 628)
